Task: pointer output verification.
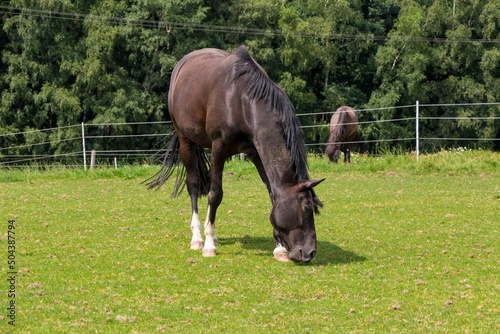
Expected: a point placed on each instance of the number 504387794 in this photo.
(11, 245)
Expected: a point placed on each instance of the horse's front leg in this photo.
(214, 198)
(280, 253)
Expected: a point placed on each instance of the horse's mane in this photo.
(261, 87)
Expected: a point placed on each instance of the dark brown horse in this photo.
(343, 132)
(226, 102)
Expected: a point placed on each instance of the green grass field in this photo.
(403, 247)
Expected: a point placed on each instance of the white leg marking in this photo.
(197, 239)
(209, 248)
(280, 253)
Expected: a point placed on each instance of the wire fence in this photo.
(113, 144)
(167, 25)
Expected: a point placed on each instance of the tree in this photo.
(99, 62)
(328, 45)
(107, 62)
(39, 66)
(431, 56)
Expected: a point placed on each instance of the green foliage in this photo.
(66, 62)
(412, 66)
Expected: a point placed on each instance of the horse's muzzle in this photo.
(302, 255)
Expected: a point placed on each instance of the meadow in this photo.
(403, 247)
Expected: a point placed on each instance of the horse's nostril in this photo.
(307, 257)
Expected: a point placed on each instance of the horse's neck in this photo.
(276, 159)
(332, 138)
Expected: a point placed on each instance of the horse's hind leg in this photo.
(188, 150)
(197, 239)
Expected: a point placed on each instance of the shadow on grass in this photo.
(328, 253)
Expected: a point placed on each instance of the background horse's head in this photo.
(332, 149)
(292, 217)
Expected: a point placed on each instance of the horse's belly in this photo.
(195, 133)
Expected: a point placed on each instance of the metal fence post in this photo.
(416, 130)
(83, 145)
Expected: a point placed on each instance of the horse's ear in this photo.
(307, 185)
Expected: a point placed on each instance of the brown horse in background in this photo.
(343, 133)
(227, 103)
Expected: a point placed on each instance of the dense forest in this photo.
(102, 62)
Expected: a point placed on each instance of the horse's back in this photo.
(194, 71)
(344, 115)
(198, 83)
(198, 58)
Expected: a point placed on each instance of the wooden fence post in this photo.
(92, 159)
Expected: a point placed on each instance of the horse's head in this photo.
(333, 152)
(292, 217)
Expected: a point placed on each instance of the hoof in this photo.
(283, 257)
(197, 245)
(208, 252)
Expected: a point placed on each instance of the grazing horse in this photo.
(343, 131)
(227, 102)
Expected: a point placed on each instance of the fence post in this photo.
(416, 129)
(83, 145)
(92, 159)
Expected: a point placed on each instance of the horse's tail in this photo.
(172, 161)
